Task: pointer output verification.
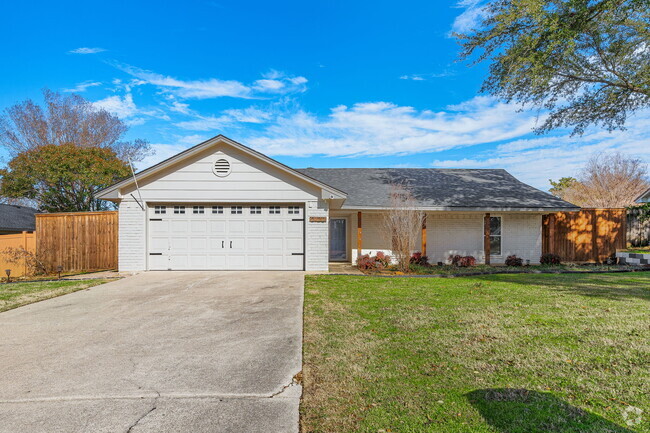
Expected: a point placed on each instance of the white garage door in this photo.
(226, 237)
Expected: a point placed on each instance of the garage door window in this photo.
(217, 210)
(198, 210)
(294, 210)
(179, 209)
(256, 210)
(160, 210)
(236, 210)
(274, 210)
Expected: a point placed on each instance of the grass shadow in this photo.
(511, 410)
(615, 286)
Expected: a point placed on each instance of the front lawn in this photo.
(14, 295)
(498, 353)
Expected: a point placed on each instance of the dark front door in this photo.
(338, 247)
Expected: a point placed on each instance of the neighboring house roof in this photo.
(110, 192)
(644, 198)
(438, 189)
(17, 218)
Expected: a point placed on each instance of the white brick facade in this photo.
(132, 237)
(451, 233)
(316, 237)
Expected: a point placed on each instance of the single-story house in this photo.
(17, 219)
(221, 205)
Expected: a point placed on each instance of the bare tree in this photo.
(402, 223)
(608, 180)
(67, 119)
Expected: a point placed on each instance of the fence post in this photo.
(25, 246)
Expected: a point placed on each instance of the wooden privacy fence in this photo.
(76, 241)
(590, 235)
(638, 232)
(20, 240)
(79, 241)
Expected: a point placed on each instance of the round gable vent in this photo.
(221, 167)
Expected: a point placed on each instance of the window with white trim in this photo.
(198, 210)
(217, 210)
(160, 210)
(235, 210)
(179, 209)
(274, 210)
(256, 210)
(294, 210)
(495, 236)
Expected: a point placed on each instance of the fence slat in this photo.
(590, 235)
(78, 241)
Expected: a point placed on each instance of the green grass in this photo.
(498, 353)
(15, 295)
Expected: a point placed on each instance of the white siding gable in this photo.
(250, 180)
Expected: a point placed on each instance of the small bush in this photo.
(419, 259)
(376, 262)
(513, 260)
(550, 259)
(462, 261)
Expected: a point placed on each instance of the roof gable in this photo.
(113, 192)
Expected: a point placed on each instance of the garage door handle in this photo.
(230, 244)
(222, 243)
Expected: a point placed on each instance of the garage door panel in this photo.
(199, 226)
(227, 241)
(179, 226)
(236, 227)
(218, 227)
(275, 227)
(198, 244)
(255, 244)
(293, 245)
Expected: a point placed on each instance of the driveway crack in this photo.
(154, 406)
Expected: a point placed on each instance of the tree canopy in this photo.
(587, 62)
(608, 180)
(68, 119)
(64, 177)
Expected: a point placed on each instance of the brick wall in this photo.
(132, 237)
(316, 237)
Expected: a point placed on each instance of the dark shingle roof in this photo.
(17, 218)
(437, 188)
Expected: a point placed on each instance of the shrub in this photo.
(462, 261)
(550, 259)
(513, 260)
(376, 262)
(21, 257)
(419, 259)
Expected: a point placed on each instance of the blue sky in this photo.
(320, 84)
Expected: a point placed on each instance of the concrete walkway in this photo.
(157, 352)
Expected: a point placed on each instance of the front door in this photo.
(338, 244)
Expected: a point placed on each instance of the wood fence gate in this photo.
(590, 235)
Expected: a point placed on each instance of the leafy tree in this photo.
(585, 61)
(64, 177)
(608, 180)
(560, 187)
(66, 120)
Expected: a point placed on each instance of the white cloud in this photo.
(538, 159)
(86, 50)
(412, 77)
(470, 19)
(382, 128)
(273, 82)
(121, 106)
(82, 87)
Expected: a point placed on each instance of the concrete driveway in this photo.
(157, 352)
